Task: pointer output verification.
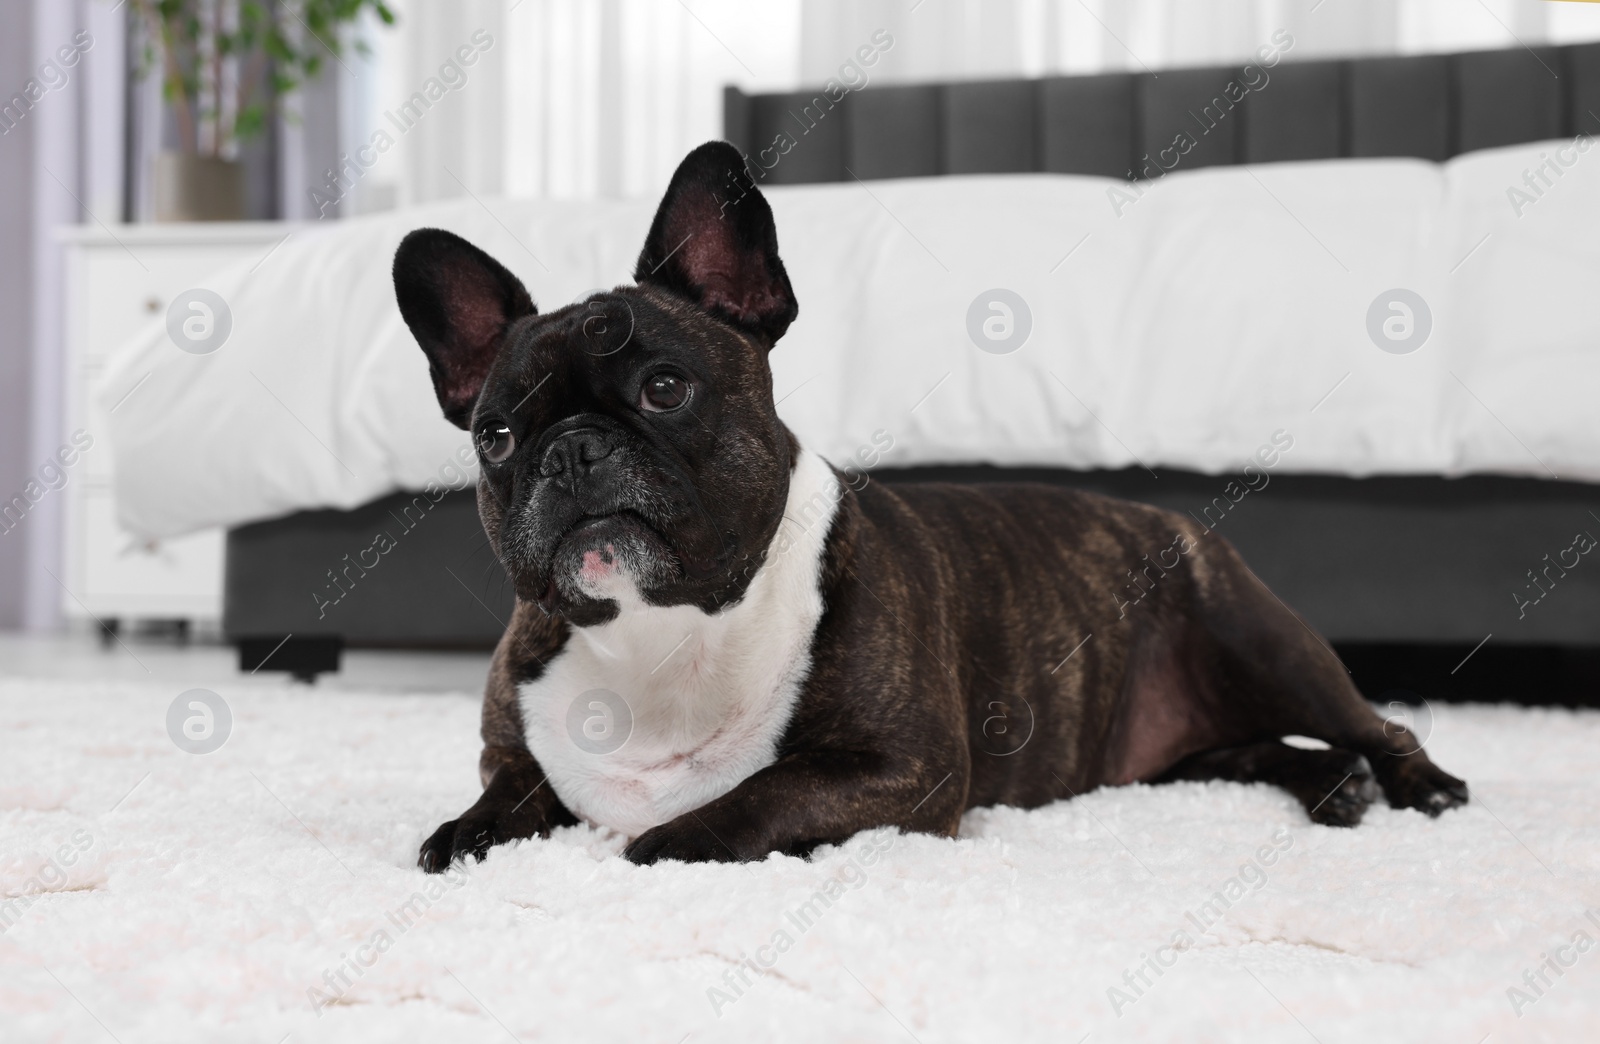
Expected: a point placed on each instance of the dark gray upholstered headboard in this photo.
(1429, 106)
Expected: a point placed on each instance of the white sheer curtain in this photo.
(605, 96)
(587, 98)
(453, 142)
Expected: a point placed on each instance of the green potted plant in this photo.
(224, 65)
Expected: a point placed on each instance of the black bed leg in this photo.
(302, 658)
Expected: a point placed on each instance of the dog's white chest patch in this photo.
(661, 710)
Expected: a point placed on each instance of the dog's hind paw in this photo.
(1346, 790)
(1410, 781)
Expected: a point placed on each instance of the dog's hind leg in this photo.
(1278, 678)
(1335, 786)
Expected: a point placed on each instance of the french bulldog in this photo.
(723, 647)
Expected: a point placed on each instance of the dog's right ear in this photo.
(458, 302)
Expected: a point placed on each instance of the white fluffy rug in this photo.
(268, 891)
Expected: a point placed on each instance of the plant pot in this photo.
(197, 188)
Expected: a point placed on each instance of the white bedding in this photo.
(1221, 307)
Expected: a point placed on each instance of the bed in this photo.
(1428, 494)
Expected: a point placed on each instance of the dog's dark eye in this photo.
(663, 392)
(496, 442)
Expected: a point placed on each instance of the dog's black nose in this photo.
(574, 453)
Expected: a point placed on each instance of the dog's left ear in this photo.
(458, 302)
(714, 242)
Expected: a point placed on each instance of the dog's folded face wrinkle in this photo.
(630, 448)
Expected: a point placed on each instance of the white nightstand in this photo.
(117, 280)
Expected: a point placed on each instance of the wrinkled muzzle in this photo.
(596, 518)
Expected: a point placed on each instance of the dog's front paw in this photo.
(456, 839)
(515, 805)
(684, 840)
